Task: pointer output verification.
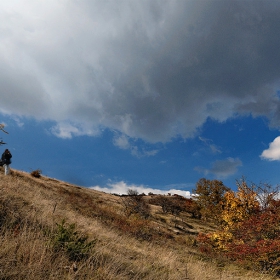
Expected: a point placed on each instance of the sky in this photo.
(150, 95)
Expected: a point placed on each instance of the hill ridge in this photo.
(32, 204)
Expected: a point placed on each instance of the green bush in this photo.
(70, 241)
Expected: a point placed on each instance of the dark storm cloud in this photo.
(150, 69)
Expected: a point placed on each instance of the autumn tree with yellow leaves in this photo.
(250, 227)
(239, 206)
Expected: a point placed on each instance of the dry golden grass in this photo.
(31, 207)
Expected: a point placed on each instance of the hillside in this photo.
(37, 213)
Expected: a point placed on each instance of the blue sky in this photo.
(150, 95)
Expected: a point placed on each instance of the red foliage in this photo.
(205, 243)
(265, 225)
(256, 242)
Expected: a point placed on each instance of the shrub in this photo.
(135, 204)
(168, 204)
(36, 173)
(257, 242)
(74, 244)
(193, 208)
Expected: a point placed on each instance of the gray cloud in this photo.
(222, 168)
(149, 69)
(124, 142)
(209, 143)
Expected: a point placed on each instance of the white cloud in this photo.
(149, 69)
(122, 188)
(18, 121)
(66, 130)
(273, 152)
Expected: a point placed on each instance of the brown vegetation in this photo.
(50, 229)
(36, 173)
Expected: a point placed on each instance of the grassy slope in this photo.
(33, 204)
